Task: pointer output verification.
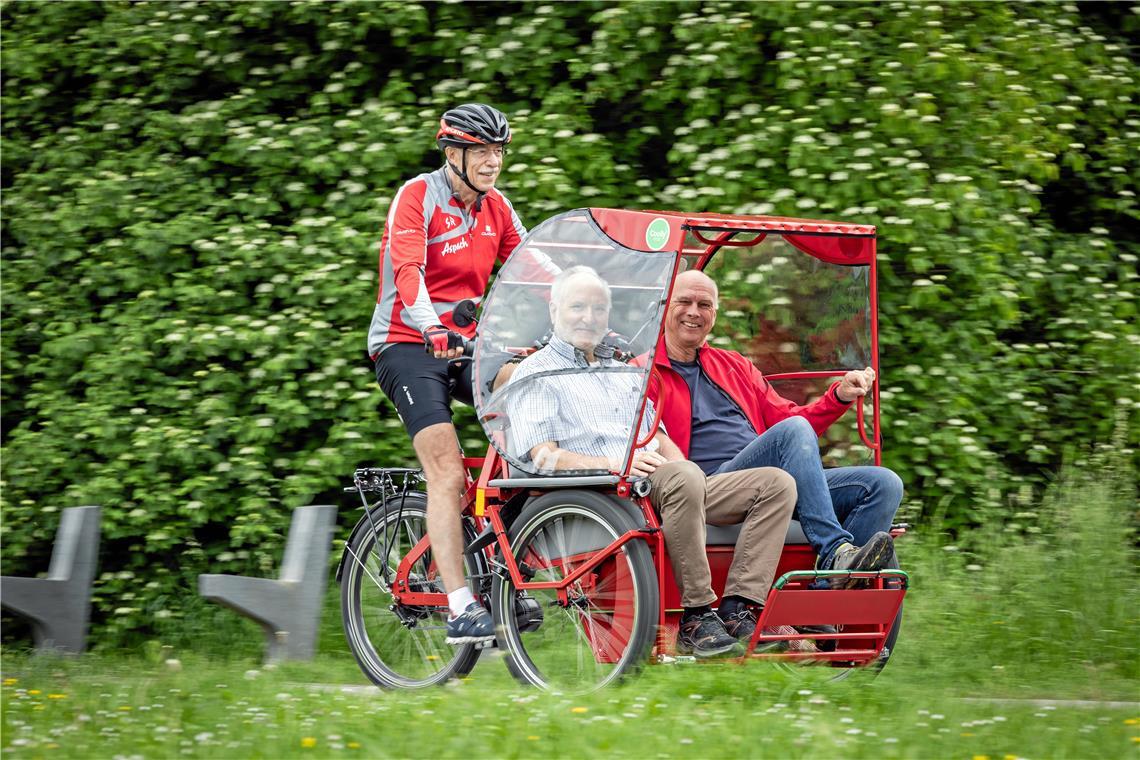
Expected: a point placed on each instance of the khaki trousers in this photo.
(762, 498)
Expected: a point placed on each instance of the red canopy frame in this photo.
(840, 243)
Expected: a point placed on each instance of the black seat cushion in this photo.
(726, 535)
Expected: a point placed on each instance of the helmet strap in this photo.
(463, 176)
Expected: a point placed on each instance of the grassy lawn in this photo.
(988, 632)
(107, 707)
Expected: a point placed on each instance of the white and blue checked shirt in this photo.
(556, 395)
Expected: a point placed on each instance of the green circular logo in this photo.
(657, 234)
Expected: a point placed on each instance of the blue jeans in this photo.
(842, 504)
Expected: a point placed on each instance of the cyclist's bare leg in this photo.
(438, 449)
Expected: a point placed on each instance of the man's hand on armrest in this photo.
(644, 463)
(547, 457)
(854, 384)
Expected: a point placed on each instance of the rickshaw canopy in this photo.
(815, 320)
(834, 242)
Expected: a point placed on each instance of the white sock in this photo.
(459, 600)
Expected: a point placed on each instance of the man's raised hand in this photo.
(854, 384)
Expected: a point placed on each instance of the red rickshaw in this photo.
(573, 566)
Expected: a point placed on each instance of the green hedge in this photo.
(194, 193)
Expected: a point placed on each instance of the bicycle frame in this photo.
(484, 503)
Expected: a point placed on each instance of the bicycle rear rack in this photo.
(384, 479)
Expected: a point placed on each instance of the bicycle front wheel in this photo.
(604, 628)
(397, 646)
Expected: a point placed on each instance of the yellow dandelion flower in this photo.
(308, 742)
(532, 738)
(33, 692)
(579, 709)
(980, 757)
(11, 681)
(353, 745)
(57, 696)
(125, 708)
(966, 733)
(1136, 739)
(1131, 721)
(1010, 757)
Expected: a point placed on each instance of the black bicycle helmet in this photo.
(473, 124)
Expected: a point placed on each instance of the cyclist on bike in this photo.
(444, 232)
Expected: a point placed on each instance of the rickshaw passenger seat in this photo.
(726, 535)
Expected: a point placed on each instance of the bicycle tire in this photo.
(391, 654)
(606, 631)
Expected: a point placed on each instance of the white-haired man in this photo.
(562, 421)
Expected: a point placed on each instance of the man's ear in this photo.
(553, 310)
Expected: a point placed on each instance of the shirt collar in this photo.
(661, 355)
(451, 188)
(570, 353)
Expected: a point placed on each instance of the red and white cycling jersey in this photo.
(435, 254)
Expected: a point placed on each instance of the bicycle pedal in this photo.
(680, 659)
(492, 644)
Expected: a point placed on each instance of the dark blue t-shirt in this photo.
(719, 428)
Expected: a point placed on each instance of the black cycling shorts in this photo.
(422, 386)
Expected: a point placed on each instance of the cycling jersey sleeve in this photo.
(407, 236)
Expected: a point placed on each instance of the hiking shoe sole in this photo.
(727, 649)
(469, 639)
(872, 556)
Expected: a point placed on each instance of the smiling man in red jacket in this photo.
(725, 416)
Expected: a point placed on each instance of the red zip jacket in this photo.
(434, 255)
(744, 384)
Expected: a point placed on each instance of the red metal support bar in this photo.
(730, 243)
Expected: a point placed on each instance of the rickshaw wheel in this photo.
(605, 628)
(392, 653)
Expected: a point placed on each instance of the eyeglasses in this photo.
(486, 151)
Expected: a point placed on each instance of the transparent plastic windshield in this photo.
(565, 342)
